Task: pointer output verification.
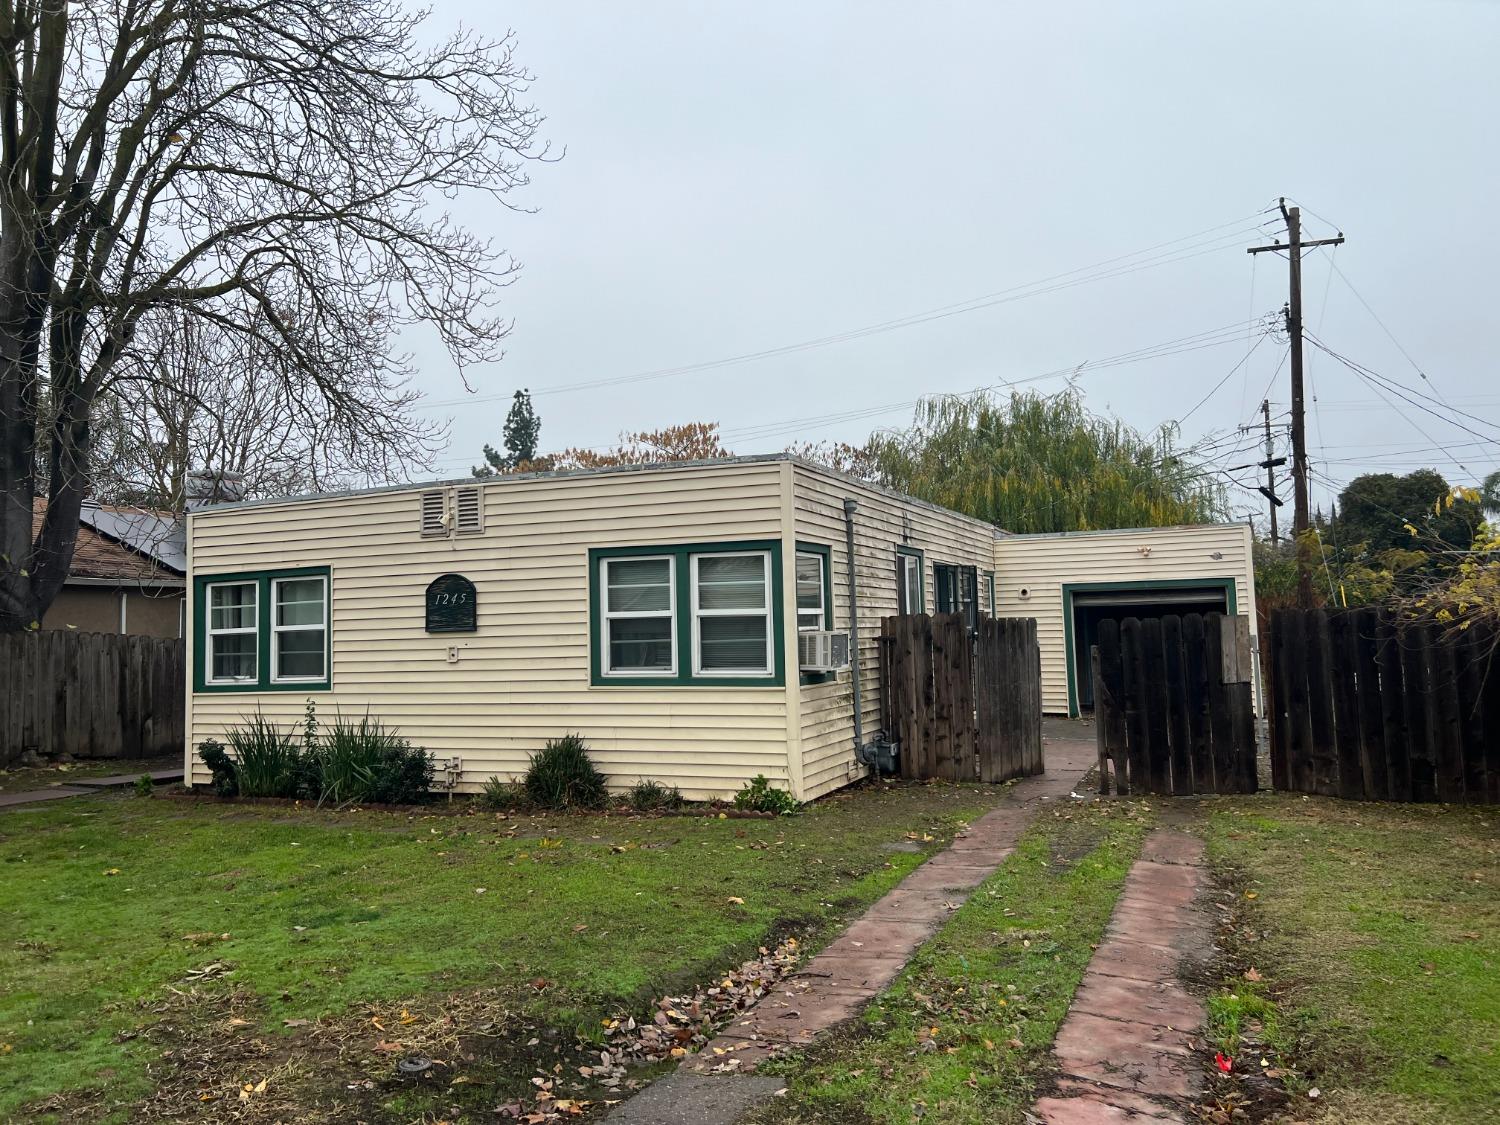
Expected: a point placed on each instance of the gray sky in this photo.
(742, 177)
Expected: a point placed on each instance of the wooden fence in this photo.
(1364, 707)
(963, 706)
(92, 695)
(1173, 705)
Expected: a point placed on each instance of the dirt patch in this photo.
(1247, 1091)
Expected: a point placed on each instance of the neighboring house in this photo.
(128, 575)
(1071, 581)
(658, 611)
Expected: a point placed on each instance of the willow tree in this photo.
(273, 170)
(1030, 463)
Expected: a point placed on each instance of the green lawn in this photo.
(552, 922)
(963, 1035)
(1376, 930)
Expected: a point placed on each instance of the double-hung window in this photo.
(639, 616)
(732, 614)
(299, 629)
(812, 582)
(694, 614)
(232, 650)
(264, 631)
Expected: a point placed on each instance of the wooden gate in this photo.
(1172, 705)
(1363, 706)
(963, 706)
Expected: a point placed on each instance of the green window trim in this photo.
(681, 555)
(1231, 606)
(921, 557)
(263, 632)
(828, 615)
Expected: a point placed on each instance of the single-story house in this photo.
(683, 618)
(128, 574)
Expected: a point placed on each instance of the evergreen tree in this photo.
(523, 429)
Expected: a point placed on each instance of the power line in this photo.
(1224, 380)
(1210, 338)
(1110, 268)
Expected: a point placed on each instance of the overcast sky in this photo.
(742, 177)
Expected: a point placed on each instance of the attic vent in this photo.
(434, 512)
(468, 509)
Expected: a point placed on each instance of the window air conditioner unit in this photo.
(822, 651)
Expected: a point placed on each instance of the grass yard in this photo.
(161, 955)
(965, 1033)
(1376, 931)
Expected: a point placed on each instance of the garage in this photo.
(1071, 581)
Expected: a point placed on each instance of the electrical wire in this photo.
(1119, 266)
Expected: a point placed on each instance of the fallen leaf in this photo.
(295, 1023)
(1253, 974)
(112, 871)
(735, 900)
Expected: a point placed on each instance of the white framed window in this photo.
(233, 655)
(909, 583)
(731, 605)
(299, 629)
(812, 612)
(640, 615)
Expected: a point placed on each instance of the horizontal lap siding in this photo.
(523, 677)
(1043, 563)
(827, 721)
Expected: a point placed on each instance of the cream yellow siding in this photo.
(1042, 564)
(883, 521)
(524, 676)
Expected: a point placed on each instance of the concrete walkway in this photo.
(1126, 1048)
(87, 785)
(857, 966)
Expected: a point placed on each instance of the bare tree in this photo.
(273, 169)
(197, 396)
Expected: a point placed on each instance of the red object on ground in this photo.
(1226, 1065)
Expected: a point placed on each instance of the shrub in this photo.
(266, 762)
(143, 785)
(562, 776)
(502, 796)
(365, 762)
(757, 795)
(647, 795)
(225, 784)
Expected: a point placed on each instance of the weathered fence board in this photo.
(1174, 705)
(964, 706)
(92, 695)
(1397, 713)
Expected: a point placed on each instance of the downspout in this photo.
(850, 507)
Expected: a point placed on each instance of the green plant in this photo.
(366, 762)
(562, 776)
(266, 761)
(221, 766)
(758, 795)
(143, 785)
(647, 795)
(502, 796)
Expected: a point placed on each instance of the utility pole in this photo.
(1294, 246)
(1269, 465)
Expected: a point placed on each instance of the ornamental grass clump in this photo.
(267, 763)
(563, 776)
(363, 762)
(647, 795)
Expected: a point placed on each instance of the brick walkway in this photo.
(1126, 1047)
(717, 1085)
